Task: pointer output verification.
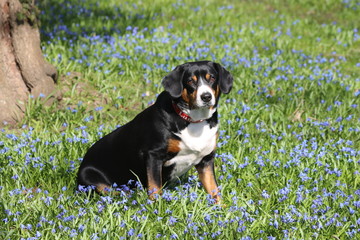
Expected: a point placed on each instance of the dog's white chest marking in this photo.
(197, 141)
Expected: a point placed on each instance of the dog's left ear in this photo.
(225, 78)
(173, 81)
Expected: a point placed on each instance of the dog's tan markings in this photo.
(194, 78)
(188, 98)
(207, 178)
(217, 91)
(192, 98)
(153, 188)
(173, 145)
(207, 76)
(185, 96)
(103, 188)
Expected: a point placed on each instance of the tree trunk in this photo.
(23, 69)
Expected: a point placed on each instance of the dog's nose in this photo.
(206, 97)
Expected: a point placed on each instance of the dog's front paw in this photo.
(154, 193)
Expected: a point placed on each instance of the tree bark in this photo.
(23, 69)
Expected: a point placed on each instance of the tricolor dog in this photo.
(165, 140)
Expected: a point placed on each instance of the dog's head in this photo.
(198, 84)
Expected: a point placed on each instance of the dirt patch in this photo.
(74, 89)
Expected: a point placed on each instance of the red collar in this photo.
(184, 115)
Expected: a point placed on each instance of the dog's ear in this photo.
(173, 81)
(225, 78)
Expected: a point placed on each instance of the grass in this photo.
(289, 146)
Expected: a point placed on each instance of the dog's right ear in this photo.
(173, 81)
(225, 78)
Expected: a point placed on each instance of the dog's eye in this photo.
(190, 81)
(212, 79)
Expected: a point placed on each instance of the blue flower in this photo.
(264, 194)
(172, 220)
(131, 232)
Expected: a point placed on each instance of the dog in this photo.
(165, 140)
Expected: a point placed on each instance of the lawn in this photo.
(288, 155)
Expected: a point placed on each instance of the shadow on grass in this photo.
(74, 19)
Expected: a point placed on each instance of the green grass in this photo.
(289, 146)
